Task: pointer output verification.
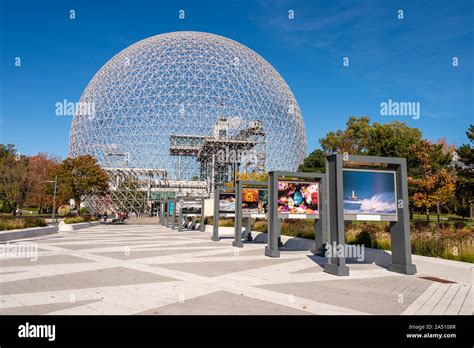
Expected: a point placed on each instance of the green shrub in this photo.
(5, 207)
(8, 223)
(11, 225)
(427, 239)
(34, 222)
(223, 222)
(260, 226)
(226, 222)
(83, 211)
(298, 228)
(370, 235)
(78, 219)
(428, 246)
(364, 237)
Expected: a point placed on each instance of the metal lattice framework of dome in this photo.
(165, 113)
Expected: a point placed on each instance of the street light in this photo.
(53, 217)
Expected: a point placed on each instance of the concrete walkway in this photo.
(154, 220)
(149, 269)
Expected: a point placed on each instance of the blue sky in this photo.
(366, 184)
(403, 60)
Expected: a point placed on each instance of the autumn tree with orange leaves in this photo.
(40, 171)
(435, 185)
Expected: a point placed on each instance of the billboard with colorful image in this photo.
(369, 192)
(227, 203)
(298, 199)
(254, 202)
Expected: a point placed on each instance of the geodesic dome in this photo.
(159, 103)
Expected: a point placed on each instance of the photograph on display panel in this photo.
(369, 192)
(254, 202)
(227, 203)
(297, 199)
(191, 207)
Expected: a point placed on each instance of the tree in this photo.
(353, 140)
(254, 176)
(393, 139)
(13, 176)
(464, 167)
(436, 185)
(80, 176)
(315, 162)
(40, 169)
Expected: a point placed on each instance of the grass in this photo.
(27, 215)
(223, 222)
(78, 219)
(295, 228)
(372, 235)
(9, 223)
(450, 218)
(452, 239)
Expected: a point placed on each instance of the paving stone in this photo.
(224, 303)
(365, 295)
(79, 280)
(141, 254)
(92, 264)
(218, 268)
(44, 308)
(42, 260)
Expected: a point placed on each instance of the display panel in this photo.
(369, 193)
(298, 199)
(191, 207)
(254, 202)
(227, 203)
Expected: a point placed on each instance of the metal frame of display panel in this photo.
(238, 211)
(215, 227)
(320, 222)
(184, 217)
(399, 230)
(173, 214)
(162, 211)
(169, 216)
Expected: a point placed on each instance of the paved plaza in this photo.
(153, 270)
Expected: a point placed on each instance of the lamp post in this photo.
(53, 217)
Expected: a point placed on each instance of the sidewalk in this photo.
(150, 269)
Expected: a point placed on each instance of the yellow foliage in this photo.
(249, 177)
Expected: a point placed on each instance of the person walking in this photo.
(105, 217)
